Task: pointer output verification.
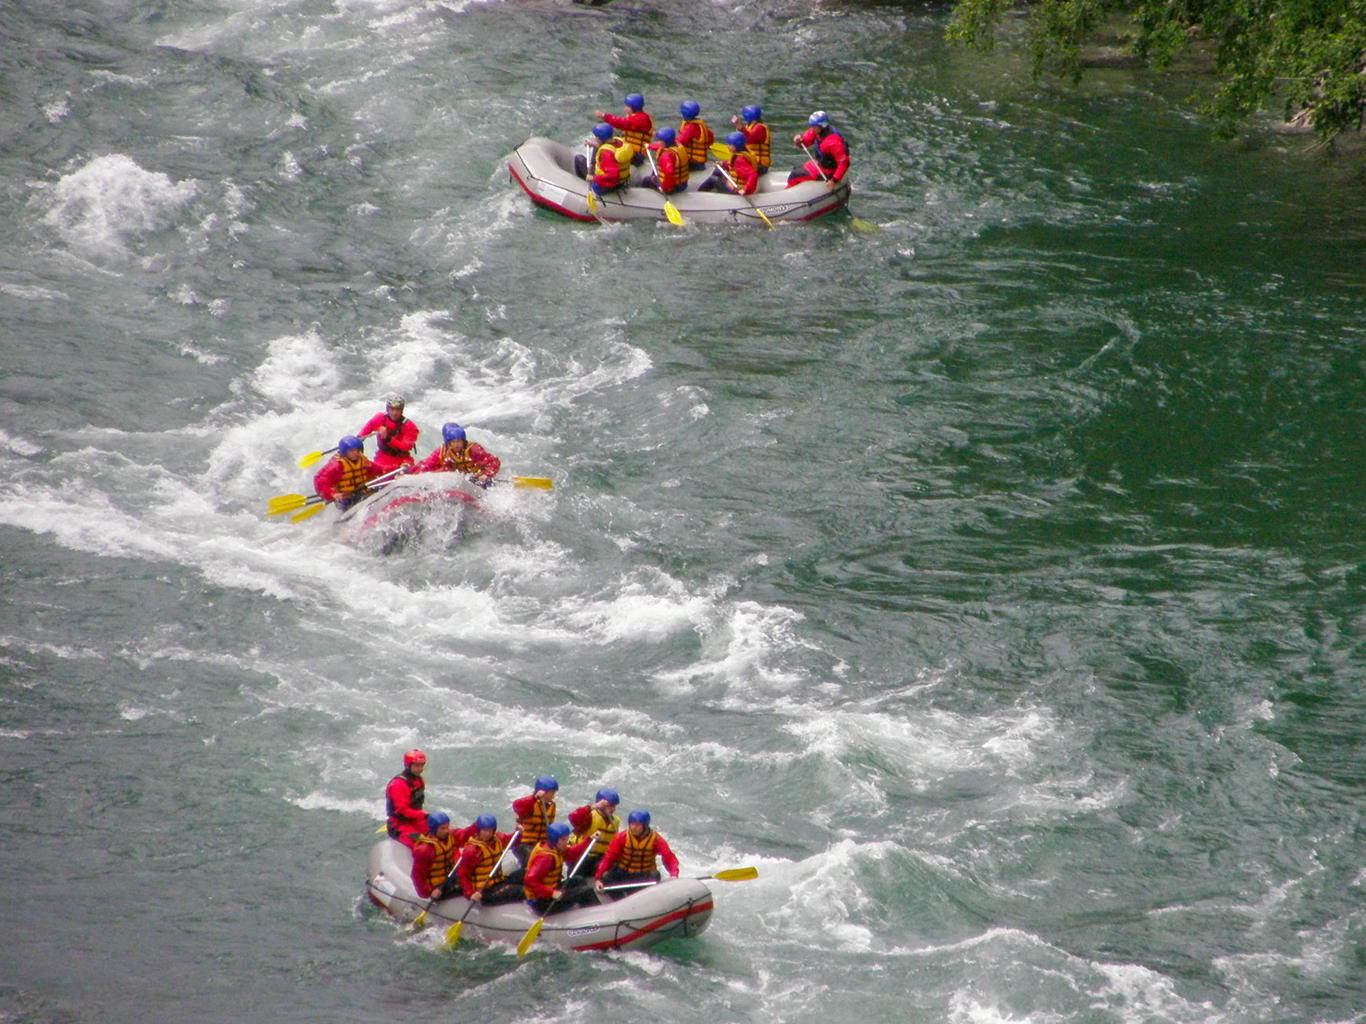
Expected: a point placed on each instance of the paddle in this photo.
(453, 932)
(534, 931)
(313, 457)
(735, 185)
(859, 222)
(282, 503)
(592, 199)
(670, 210)
(728, 875)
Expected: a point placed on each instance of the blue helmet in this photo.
(610, 795)
(689, 109)
(555, 832)
(349, 443)
(486, 821)
(638, 816)
(435, 821)
(668, 136)
(602, 132)
(453, 432)
(635, 101)
(736, 141)
(818, 118)
(546, 782)
(751, 113)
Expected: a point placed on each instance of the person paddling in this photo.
(757, 139)
(694, 134)
(535, 813)
(395, 434)
(636, 125)
(831, 154)
(631, 855)
(670, 161)
(434, 857)
(403, 799)
(478, 872)
(458, 454)
(739, 172)
(597, 821)
(545, 885)
(342, 480)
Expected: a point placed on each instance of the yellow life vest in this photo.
(763, 148)
(444, 859)
(624, 153)
(638, 854)
(639, 140)
(556, 875)
(699, 147)
(489, 855)
(461, 463)
(533, 826)
(354, 476)
(681, 163)
(605, 828)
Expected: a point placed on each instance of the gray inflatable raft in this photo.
(545, 170)
(674, 908)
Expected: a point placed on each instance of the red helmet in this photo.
(413, 757)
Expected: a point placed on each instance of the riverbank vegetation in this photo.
(1309, 56)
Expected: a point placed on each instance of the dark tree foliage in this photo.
(1309, 54)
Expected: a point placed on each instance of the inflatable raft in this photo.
(545, 170)
(402, 509)
(674, 908)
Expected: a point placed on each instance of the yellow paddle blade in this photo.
(529, 937)
(592, 203)
(310, 459)
(863, 225)
(543, 482)
(312, 510)
(286, 503)
(736, 874)
(719, 150)
(761, 214)
(421, 919)
(453, 934)
(671, 211)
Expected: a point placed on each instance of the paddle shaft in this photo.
(534, 932)
(728, 875)
(670, 210)
(453, 932)
(735, 185)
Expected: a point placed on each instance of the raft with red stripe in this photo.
(673, 908)
(398, 508)
(545, 170)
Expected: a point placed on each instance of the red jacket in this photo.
(541, 881)
(757, 139)
(638, 127)
(404, 796)
(423, 855)
(470, 856)
(619, 842)
(666, 160)
(486, 465)
(328, 480)
(607, 169)
(744, 168)
(829, 149)
(395, 450)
